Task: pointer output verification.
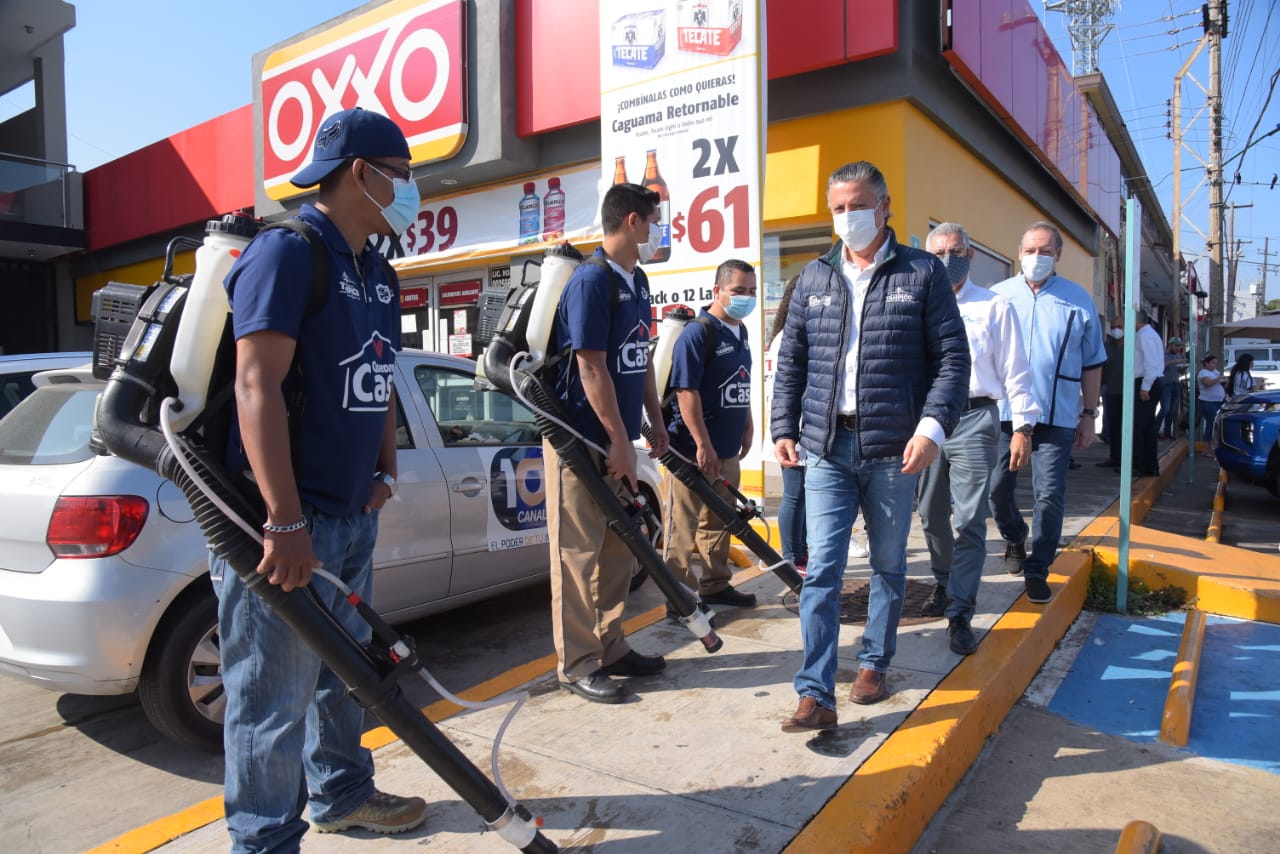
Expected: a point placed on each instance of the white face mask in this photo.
(1037, 267)
(857, 229)
(1116, 333)
(648, 250)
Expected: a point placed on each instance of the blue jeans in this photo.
(838, 486)
(953, 508)
(1050, 453)
(1170, 391)
(791, 522)
(288, 714)
(1206, 411)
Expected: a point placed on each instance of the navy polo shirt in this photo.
(587, 320)
(347, 352)
(724, 383)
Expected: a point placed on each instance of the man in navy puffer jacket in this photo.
(872, 374)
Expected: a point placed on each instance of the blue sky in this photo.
(141, 70)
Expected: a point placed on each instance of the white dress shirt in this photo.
(858, 281)
(1148, 357)
(1000, 369)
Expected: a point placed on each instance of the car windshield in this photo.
(50, 427)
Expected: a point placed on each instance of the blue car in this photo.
(1246, 438)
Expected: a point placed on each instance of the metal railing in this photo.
(37, 191)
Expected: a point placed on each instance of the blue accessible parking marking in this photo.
(1119, 681)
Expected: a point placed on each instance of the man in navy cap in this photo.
(292, 732)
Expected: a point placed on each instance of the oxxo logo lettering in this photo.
(735, 392)
(405, 59)
(633, 356)
(368, 376)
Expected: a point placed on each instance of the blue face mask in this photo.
(739, 307)
(403, 209)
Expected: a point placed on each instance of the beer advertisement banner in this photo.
(681, 112)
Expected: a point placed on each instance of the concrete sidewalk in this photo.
(697, 762)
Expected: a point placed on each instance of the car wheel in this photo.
(652, 527)
(181, 684)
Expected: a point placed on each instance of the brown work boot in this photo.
(809, 716)
(869, 687)
(381, 813)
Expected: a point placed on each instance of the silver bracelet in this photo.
(285, 529)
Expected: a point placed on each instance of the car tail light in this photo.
(95, 525)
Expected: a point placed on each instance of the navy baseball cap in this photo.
(350, 133)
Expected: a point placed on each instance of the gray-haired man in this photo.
(952, 492)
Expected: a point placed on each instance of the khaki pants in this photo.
(590, 573)
(691, 530)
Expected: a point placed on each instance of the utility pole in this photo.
(1215, 26)
(1266, 261)
(1179, 202)
(1233, 258)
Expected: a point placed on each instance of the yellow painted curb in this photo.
(1138, 837)
(889, 800)
(1175, 726)
(1214, 533)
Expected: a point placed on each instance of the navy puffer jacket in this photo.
(913, 355)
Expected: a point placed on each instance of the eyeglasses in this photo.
(405, 175)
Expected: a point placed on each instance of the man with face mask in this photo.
(292, 733)
(874, 358)
(1063, 338)
(952, 494)
(711, 423)
(603, 382)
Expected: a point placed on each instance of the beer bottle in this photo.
(619, 170)
(653, 181)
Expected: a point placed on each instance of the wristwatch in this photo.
(1092, 413)
(387, 478)
(1025, 429)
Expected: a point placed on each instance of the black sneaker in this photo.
(1038, 592)
(962, 640)
(936, 606)
(1016, 552)
(730, 596)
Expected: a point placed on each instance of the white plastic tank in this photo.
(673, 323)
(558, 264)
(205, 313)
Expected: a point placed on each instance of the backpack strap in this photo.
(319, 261)
(616, 278)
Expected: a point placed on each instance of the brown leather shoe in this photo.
(809, 716)
(868, 688)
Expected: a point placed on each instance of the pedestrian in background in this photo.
(1148, 373)
(1211, 395)
(791, 518)
(1175, 360)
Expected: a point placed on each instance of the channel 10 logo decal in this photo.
(519, 488)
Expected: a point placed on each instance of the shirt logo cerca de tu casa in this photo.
(735, 392)
(633, 355)
(368, 376)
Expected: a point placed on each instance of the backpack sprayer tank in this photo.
(205, 313)
(528, 319)
(674, 320)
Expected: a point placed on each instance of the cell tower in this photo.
(1088, 22)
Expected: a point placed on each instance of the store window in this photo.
(785, 255)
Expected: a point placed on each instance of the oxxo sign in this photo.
(405, 59)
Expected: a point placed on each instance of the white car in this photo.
(1268, 372)
(104, 584)
(16, 373)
